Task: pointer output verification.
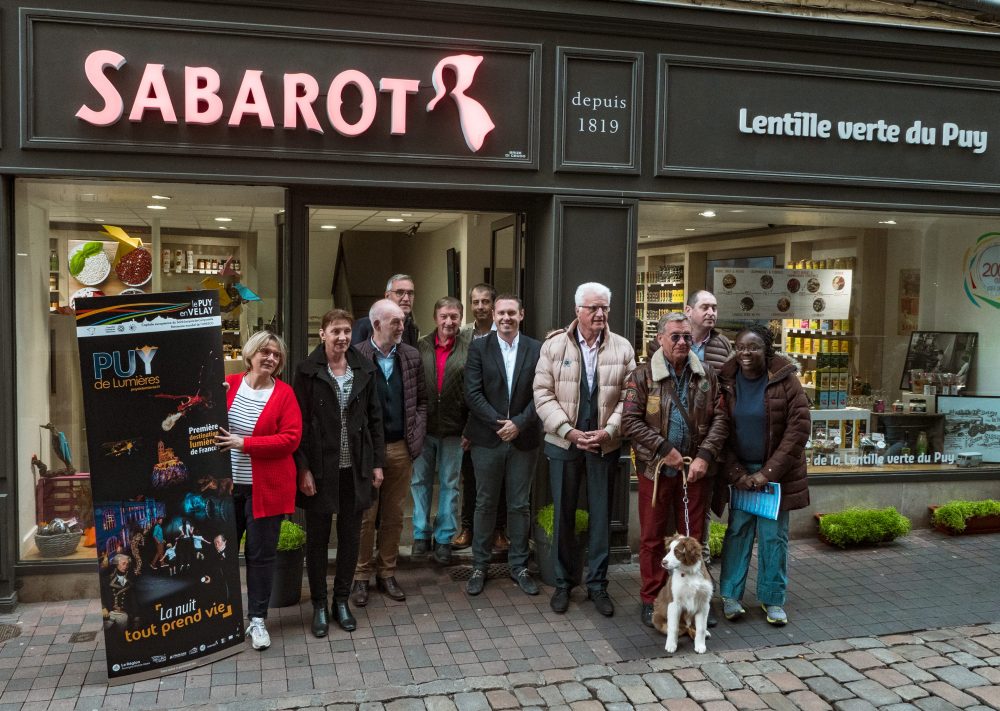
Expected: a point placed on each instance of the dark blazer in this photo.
(414, 391)
(319, 451)
(486, 392)
(362, 331)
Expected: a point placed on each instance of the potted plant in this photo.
(544, 526)
(962, 517)
(716, 535)
(862, 527)
(286, 589)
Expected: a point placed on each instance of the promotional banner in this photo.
(765, 294)
(166, 534)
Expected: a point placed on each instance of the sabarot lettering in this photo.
(807, 124)
(203, 105)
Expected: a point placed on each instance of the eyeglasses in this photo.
(748, 349)
(688, 338)
(270, 353)
(594, 308)
(403, 292)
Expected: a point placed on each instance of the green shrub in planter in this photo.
(855, 526)
(716, 534)
(955, 514)
(291, 537)
(546, 520)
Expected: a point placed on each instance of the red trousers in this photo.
(654, 522)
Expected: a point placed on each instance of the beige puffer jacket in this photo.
(557, 384)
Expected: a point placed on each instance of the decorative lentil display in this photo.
(136, 267)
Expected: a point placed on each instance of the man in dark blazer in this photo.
(505, 435)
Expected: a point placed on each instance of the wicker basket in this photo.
(58, 545)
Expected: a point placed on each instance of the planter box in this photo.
(976, 524)
(866, 544)
(286, 588)
(545, 555)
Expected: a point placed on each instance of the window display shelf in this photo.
(818, 332)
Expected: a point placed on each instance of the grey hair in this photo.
(661, 325)
(591, 287)
(397, 277)
(378, 310)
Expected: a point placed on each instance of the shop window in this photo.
(892, 346)
(67, 239)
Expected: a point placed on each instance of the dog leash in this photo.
(684, 483)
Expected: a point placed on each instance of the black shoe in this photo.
(647, 614)
(421, 548)
(442, 554)
(560, 600)
(390, 587)
(345, 619)
(320, 626)
(477, 582)
(712, 620)
(359, 592)
(602, 602)
(525, 582)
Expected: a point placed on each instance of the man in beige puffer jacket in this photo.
(578, 390)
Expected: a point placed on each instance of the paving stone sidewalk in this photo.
(441, 648)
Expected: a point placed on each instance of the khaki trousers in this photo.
(390, 497)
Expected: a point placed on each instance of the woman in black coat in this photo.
(339, 460)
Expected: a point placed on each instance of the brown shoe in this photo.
(390, 587)
(359, 593)
(500, 540)
(463, 540)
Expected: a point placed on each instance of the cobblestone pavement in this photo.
(911, 625)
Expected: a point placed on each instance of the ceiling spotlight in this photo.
(412, 229)
(223, 227)
(707, 213)
(689, 229)
(328, 227)
(98, 219)
(887, 222)
(156, 207)
(394, 219)
(406, 214)
(223, 219)
(160, 197)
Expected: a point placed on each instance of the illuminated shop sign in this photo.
(204, 106)
(97, 82)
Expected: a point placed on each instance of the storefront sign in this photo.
(982, 271)
(155, 86)
(821, 124)
(598, 110)
(765, 294)
(163, 510)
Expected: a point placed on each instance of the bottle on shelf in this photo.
(53, 260)
(923, 446)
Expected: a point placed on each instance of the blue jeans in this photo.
(772, 556)
(503, 468)
(444, 456)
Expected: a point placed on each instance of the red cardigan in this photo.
(275, 437)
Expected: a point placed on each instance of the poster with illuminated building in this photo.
(166, 534)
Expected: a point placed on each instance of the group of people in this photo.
(376, 412)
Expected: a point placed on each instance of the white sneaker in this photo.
(258, 633)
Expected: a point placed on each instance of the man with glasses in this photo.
(399, 289)
(673, 409)
(578, 389)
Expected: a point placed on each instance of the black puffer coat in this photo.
(319, 451)
(788, 426)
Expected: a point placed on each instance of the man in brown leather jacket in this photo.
(672, 410)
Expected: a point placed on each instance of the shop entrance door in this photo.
(507, 255)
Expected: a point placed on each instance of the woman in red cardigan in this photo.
(265, 426)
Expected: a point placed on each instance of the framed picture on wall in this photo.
(939, 352)
(972, 424)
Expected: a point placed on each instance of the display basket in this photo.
(58, 545)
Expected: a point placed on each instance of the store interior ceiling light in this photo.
(887, 222)
(98, 219)
(223, 219)
(707, 213)
(161, 197)
(223, 227)
(689, 229)
(157, 207)
(328, 227)
(394, 219)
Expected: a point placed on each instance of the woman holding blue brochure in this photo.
(769, 427)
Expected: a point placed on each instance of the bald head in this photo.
(387, 323)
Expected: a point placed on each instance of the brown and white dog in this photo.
(682, 604)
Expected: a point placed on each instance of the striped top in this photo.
(344, 383)
(243, 415)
